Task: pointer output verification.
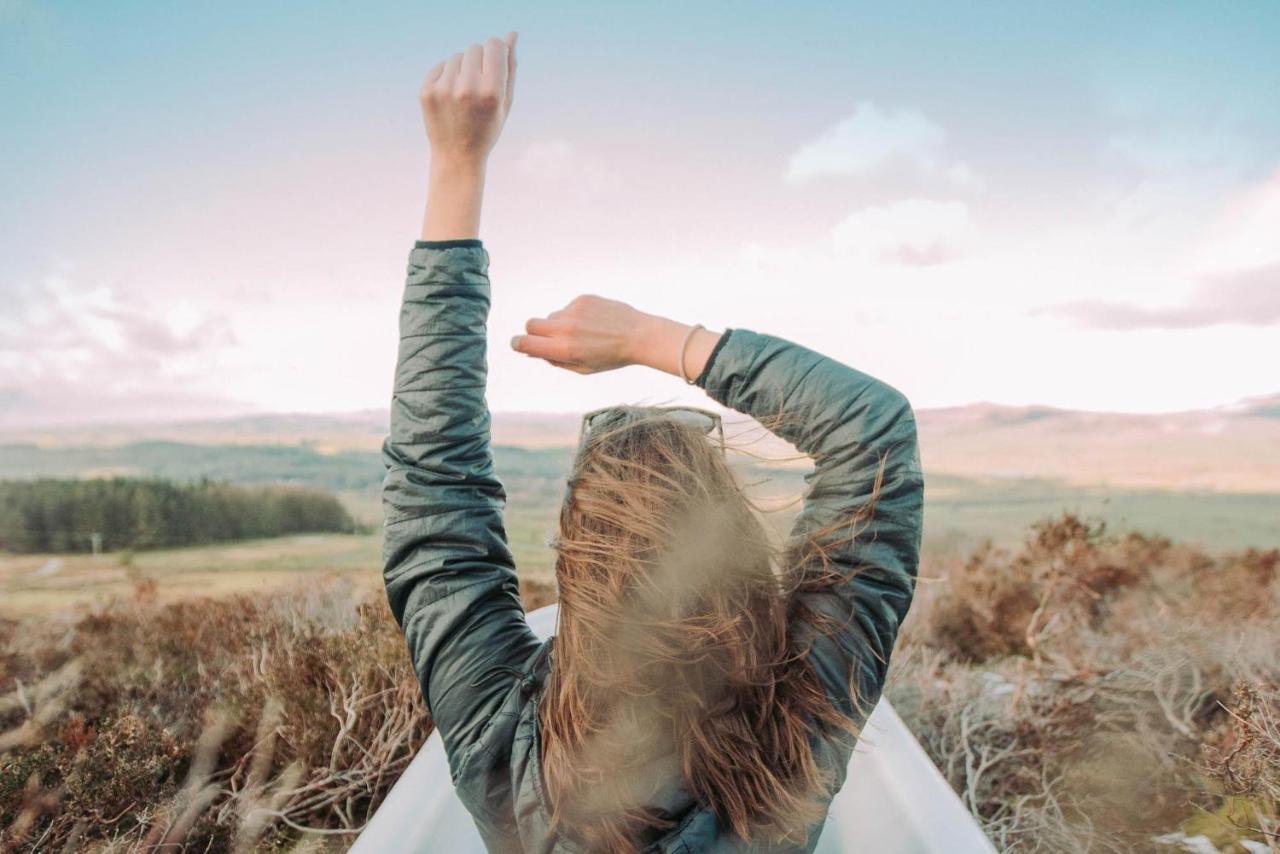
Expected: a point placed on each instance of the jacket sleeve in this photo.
(849, 423)
(449, 573)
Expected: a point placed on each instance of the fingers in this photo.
(540, 326)
(542, 347)
(472, 66)
(511, 66)
(431, 83)
(489, 68)
(493, 75)
(568, 366)
(452, 68)
(547, 339)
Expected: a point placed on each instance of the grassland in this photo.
(961, 504)
(1082, 687)
(31, 584)
(961, 512)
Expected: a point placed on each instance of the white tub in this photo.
(893, 802)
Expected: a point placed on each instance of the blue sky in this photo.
(208, 209)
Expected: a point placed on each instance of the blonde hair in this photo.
(674, 643)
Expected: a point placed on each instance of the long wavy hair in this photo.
(676, 656)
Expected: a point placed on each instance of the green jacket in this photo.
(451, 578)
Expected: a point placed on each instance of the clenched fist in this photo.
(466, 99)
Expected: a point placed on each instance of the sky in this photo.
(207, 209)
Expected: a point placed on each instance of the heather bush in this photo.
(231, 724)
(1097, 692)
(1086, 692)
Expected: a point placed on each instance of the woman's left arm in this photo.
(449, 572)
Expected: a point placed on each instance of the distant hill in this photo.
(1234, 448)
(1267, 406)
(363, 430)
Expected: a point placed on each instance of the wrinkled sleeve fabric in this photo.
(850, 424)
(449, 572)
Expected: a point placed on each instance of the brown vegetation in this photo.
(1093, 692)
(243, 723)
(1086, 692)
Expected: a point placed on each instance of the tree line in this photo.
(55, 515)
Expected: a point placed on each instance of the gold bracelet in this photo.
(684, 347)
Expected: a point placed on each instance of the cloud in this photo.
(1251, 298)
(1235, 266)
(69, 351)
(1247, 233)
(912, 233)
(559, 166)
(1179, 151)
(872, 140)
(915, 232)
(1171, 174)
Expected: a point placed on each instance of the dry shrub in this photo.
(229, 724)
(999, 603)
(1082, 693)
(1085, 693)
(1243, 758)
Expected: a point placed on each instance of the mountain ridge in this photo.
(1235, 447)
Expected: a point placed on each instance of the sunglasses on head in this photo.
(700, 419)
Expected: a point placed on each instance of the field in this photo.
(962, 509)
(1091, 660)
(47, 583)
(1082, 692)
(960, 514)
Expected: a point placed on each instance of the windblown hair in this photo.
(675, 656)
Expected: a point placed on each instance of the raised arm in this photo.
(449, 573)
(850, 423)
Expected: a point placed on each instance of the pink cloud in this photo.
(70, 352)
(1251, 298)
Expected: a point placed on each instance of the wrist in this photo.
(457, 167)
(455, 195)
(655, 341)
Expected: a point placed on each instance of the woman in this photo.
(702, 693)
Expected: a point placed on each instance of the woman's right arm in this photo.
(852, 424)
(858, 430)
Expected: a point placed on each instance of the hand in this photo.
(589, 335)
(466, 99)
(594, 334)
(465, 102)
